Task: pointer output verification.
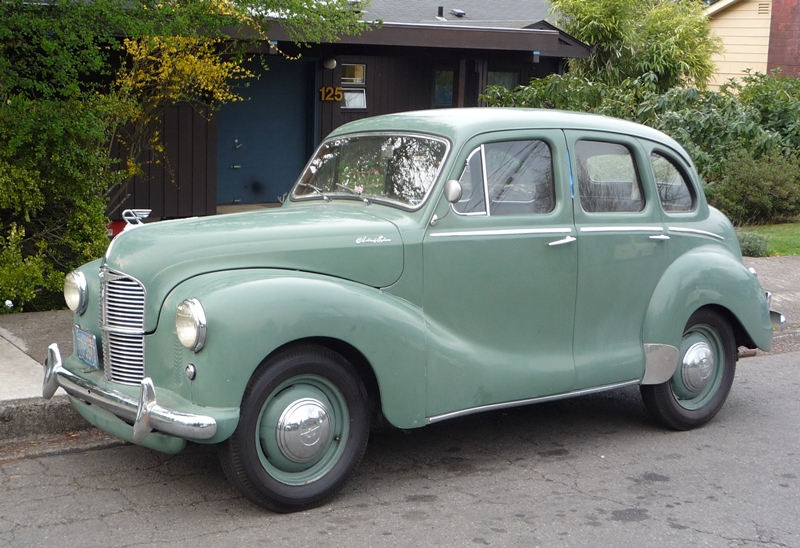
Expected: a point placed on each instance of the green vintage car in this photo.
(425, 266)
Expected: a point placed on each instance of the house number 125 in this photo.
(330, 93)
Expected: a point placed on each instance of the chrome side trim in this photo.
(145, 414)
(622, 228)
(695, 231)
(502, 232)
(518, 403)
(660, 362)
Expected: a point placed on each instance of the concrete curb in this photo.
(37, 416)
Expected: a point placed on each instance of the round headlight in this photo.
(75, 291)
(190, 323)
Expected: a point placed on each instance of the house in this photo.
(422, 56)
(760, 35)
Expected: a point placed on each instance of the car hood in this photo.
(336, 241)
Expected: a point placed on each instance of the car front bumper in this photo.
(144, 413)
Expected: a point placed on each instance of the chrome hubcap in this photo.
(303, 430)
(698, 366)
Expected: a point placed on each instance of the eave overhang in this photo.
(547, 42)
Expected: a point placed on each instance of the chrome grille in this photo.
(122, 301)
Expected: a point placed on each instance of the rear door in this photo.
(622, 252)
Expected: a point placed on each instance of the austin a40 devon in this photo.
(425, 266)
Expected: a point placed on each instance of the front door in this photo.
(265, 141)
(500, 272)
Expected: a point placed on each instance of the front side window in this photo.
(394, 169)
(517, 179)
(607, 178)
(674, 191)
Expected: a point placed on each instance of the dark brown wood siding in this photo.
(397, 83)
(393, 84)
(184, 183)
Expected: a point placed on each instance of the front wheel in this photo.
(303, 429)
(703, 378)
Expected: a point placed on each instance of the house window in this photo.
(507, 79)
(353, 80)
(355, 98)
(443, 88)
(353, 74)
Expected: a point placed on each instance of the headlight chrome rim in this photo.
(76, 292)
(190, 324)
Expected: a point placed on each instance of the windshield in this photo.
(397, 169)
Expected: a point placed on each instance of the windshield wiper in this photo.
(316, 190)
(354, 193)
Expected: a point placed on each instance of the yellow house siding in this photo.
(743, 27)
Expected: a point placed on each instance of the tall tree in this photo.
(671, 39)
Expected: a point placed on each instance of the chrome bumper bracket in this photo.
(145, 414)
(778, 320)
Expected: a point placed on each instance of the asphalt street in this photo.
(593, 471)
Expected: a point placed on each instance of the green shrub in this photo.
(777, 99)
(753, 191)
(54, 171)
(753, 244)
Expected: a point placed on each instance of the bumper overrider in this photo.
(145, 414)
(778, 320)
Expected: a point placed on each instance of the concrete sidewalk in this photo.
(24, 339)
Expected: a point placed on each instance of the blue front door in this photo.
(264, 142)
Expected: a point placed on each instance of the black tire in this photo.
(321, 403)
(703, 378)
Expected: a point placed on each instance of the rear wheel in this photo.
(703, 379)
(303, 429)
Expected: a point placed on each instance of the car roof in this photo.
(458, 124)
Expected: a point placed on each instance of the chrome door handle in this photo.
(660, 237)
(567, 240)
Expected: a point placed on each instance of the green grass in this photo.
(784, 238)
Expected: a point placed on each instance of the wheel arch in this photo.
(708, 277)
(350, 353)
(252, 314)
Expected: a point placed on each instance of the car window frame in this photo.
(640, 154)
(552, 137)
(292, 198)
(686, 173)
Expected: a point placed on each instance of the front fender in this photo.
(706, 276)
(251, 313)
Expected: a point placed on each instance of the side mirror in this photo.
(452, 191)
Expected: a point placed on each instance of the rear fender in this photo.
(706, 276)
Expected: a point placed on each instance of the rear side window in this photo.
(608, 181)
(674, 191)
(515, 176)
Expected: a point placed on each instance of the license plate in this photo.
(86, 346)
